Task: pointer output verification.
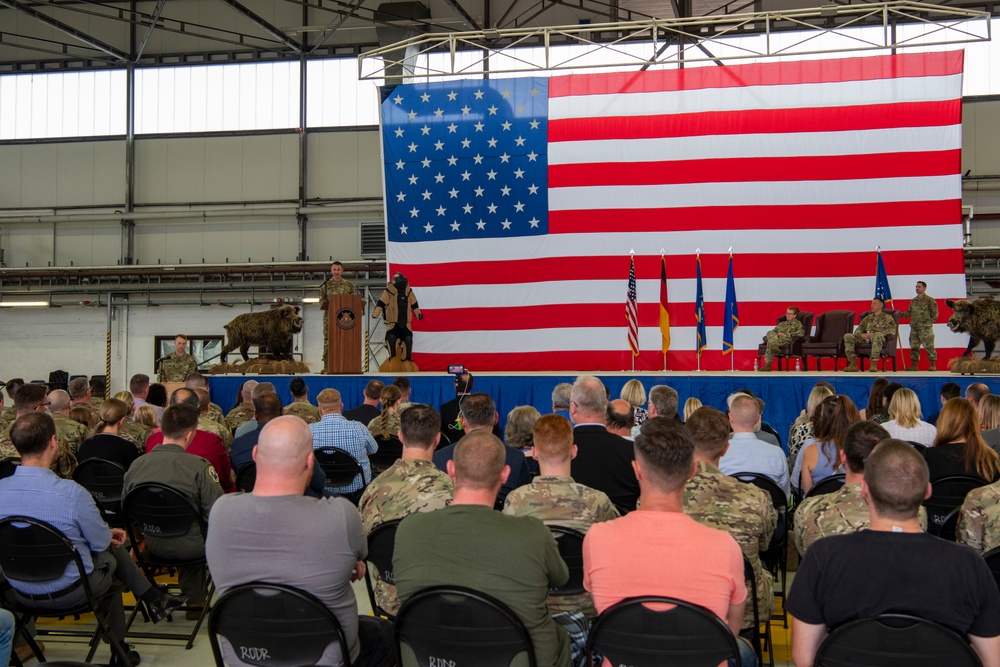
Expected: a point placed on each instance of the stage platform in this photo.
(784, 393)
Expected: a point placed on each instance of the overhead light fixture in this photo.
(24, 304)
(310, 299)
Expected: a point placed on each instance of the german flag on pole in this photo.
(664, 315)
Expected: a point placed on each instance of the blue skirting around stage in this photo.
(785, 394)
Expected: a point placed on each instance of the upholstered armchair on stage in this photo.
(828, 341)
(864, 349)
(792, 348)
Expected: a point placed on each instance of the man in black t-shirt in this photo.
(893, 567)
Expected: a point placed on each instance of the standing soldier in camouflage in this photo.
(781, 334)
(301, 407)
(178, 364)
(556, 500)
(979, 518)
(335, 285)
(68, 432)
(411, 484)
(131, 430)
(923, 312)
(873, 329)
(243, 412)
(719, 501)
(31, 398)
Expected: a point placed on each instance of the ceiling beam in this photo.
(335, 24)
(466, 18)
(263, 24)
(149, 31)
(83, 38)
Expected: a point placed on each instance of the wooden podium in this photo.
(344, 313)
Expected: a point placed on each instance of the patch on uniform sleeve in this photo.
(214, 475)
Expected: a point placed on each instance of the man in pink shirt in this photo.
(659, 550)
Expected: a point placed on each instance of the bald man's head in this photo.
(283, 447)
(59, 401)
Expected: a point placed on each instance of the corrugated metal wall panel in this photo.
(88, 244)
(86, 173)
(27, 245)
(215, 241)
(344, 165)
(980, 139)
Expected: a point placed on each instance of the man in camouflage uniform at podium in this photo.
(179, 364)
(335, 285)
(781, 334)
(873, 329)
(922, 311)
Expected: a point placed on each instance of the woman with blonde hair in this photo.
(104, 442)
(802, 432)
(959, 448)
(386, 425)
(989, 421)
(635, 395)
(821, 458)
(690, 406)
(146, 416)
(904, 408)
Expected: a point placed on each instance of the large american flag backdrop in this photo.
(512, 204)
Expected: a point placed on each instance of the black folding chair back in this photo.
(992, 558)
(760, 639)
(105, 481)
(460, 625)
(570, 544)
(381, 545)
(246, 477)
(947, 493)
(274, 626)
(827, 485)
(389, 451)
(341, 468)
(33, 551)
(8, 466)
(683, 634)
(895, 640)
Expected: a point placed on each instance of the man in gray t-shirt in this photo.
(259, 536)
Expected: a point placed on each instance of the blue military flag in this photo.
(699, 308)
(882, 290)
(732, 312)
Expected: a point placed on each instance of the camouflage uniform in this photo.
(135, 433)
(216, 414)
(207, 424)
(559, 501)
(95, 404)
(94, 410)
(73, 433)
(327, 289)
(774, 342)
(304, 410)
(978, 524)
(880, 325)
(391, 426)
(843, 511)
(406, 487)
(922, 311)
(63, 465)
(176, 368)
(716, 500)
(9, 415)
(240, 415)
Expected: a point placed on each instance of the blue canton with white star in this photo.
(466, 159)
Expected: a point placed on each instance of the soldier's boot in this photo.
(768, 362)
(852, 365)
(874, 368)
(914, 360)
(933, 366)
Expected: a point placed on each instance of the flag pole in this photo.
(631, 254)
(732, 360)
(663, 263)
(697, 352)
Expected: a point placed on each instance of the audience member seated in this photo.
(301, 407)
(843, 511)
(974, 393)
(34, 491)
(147, 417)
(893, 567)
(555, 499)
(764, 431)
(603, 460)
(250, 424)
(883, 416)
(10, 412)
(658, 550)
(411, 484)
(199, 381)
(876, 405)
(979, 518)
(959, 448)
(138, 386)
(80, 395)
(746, 452)
(663, 401)
(479, 413)
(451, 428)
(209, 425)
(6, 626)
(368, 410)
(386, 425)
(949, 391)
(206, 445)
(517, 433)
(130, 430)
(989, 421)
(67, 431)
(82, 415)
(259, 536)
(804, 428)
(690, 406)
(27, 399)
(334, 430)
(821, 458)
(106, 443)
(635, 395)
(402, 383)
(157, 397)
(243, 411)
(620, 418)
(514, 559)
(172, 465)
(716, 500)
(904, 408)
(560, 399)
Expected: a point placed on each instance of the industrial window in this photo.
(62, 104)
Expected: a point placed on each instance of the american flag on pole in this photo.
(509, 202)
(631, 312)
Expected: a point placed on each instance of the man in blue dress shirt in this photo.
(335, 430)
